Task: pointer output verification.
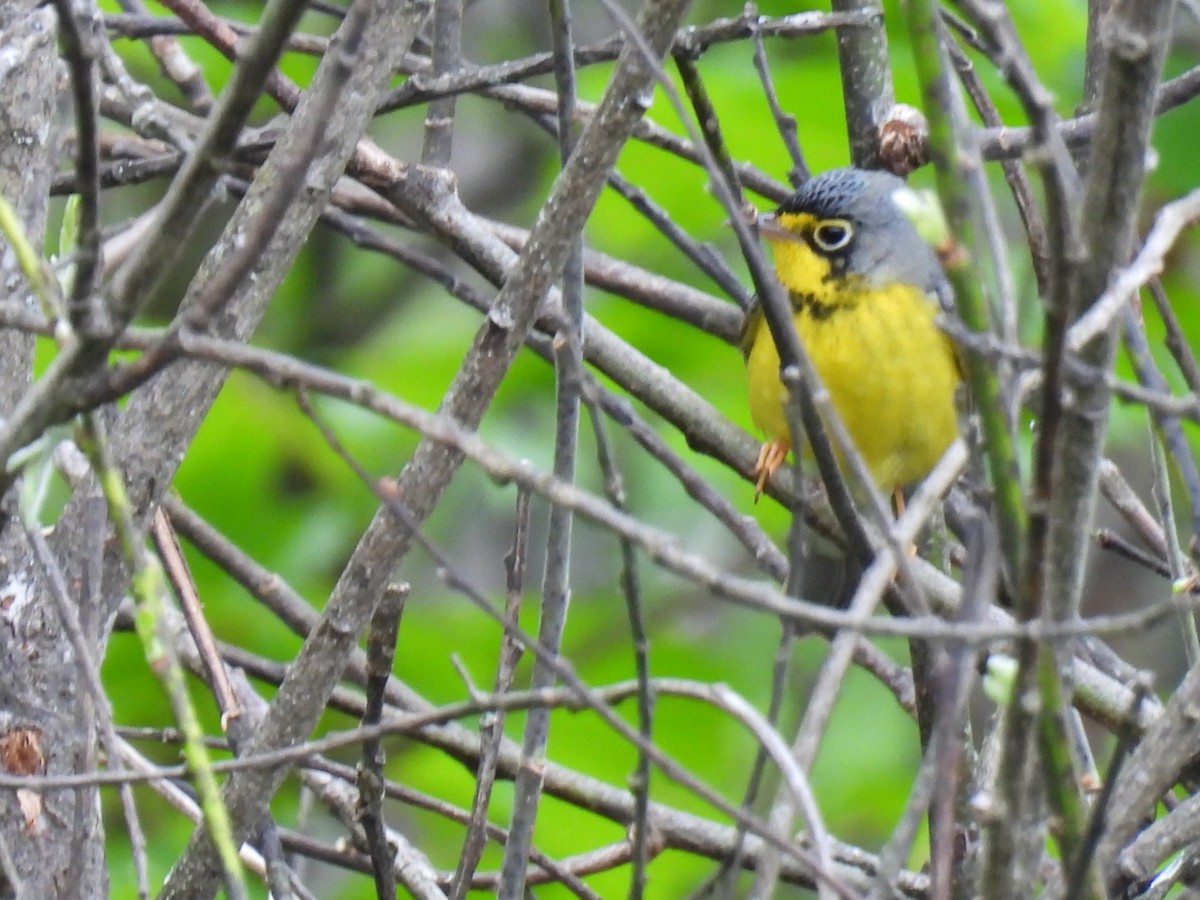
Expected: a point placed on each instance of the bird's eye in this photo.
(832, 234)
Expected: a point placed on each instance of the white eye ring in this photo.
(831, 235)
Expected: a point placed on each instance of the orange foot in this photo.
(898, 505)
(770, 458)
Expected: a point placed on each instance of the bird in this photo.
(866, 291)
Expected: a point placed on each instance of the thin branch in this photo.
(867, 92)
(77, 23)
(556, 582)
(446, 57)
(381, 648)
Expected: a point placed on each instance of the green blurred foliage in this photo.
(260, 472)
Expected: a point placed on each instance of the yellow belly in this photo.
(890, 372)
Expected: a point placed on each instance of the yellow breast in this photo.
(890, 371)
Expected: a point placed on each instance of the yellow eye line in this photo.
(804, 227)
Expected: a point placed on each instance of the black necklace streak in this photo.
(816, 309)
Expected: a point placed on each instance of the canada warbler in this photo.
(864, 289)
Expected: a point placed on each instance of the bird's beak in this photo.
(769, 228)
